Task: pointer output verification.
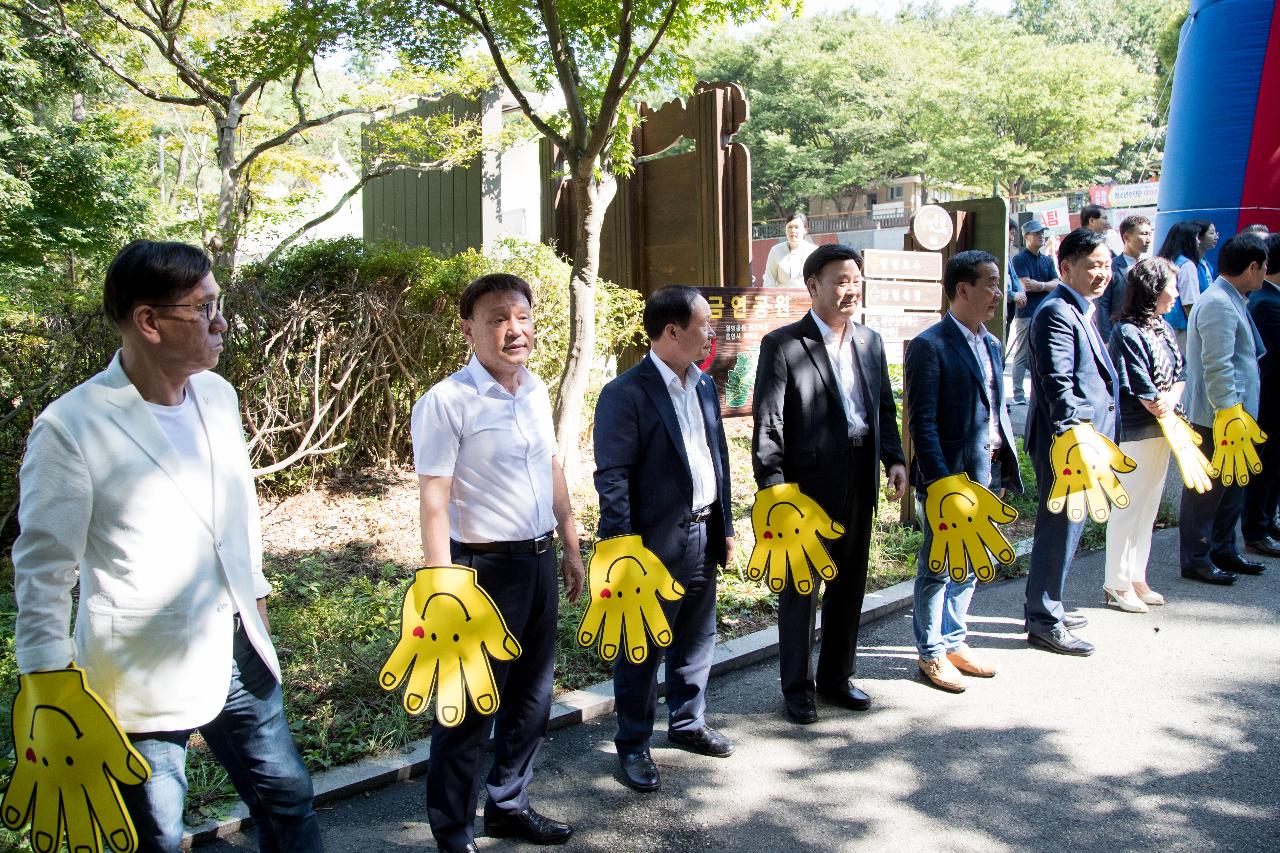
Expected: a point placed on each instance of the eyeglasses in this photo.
(209, 309)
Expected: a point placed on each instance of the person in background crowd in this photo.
(785, 265)
(1152, 376)
(959, 424)
(1135, 231)
(1038, 274)
(1223, 348)
(491, 492)
(1015, 296)
(1182, 247)
(1094, 218)
(1262, 496)
(825, 418)
(1207, 235)
(662, 473)
(137, 486)
(1074, 383)
(1257, 228)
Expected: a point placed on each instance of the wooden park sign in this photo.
(741, 318)
(902, 295)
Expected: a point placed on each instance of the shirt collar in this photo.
(973, 337)
(829, 335)
(1084, 306)
(484, 381)
(691, 375)
(1236, 296)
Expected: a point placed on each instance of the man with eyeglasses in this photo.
(140, 479)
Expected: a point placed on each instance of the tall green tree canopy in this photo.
(965, 97)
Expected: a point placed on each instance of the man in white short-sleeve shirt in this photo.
(491, 493)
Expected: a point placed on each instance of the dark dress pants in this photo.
(1262, 495)
(1207, 523)
(693, 628)
(524, 588)
(841, 599)
(1052, 550)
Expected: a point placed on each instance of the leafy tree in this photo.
(960, 97)
(225, 60)
(72, 185)
(826, 117)
(592, 56)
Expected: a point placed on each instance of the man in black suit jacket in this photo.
(959, 425)
(1262, 496)
(662, 471)
(824, 415)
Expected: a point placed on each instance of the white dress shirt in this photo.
(978, 346)
(684, 397)
(840, 354)
(496, 446)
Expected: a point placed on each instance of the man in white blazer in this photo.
(140, 479)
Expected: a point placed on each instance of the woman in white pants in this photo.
(1152, 374)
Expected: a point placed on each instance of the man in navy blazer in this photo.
(958, 424)
(824, 416)
(1074, 382)
(662, 471)
(1262, 497)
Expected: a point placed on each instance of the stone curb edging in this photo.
(577, 706)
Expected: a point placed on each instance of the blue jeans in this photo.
(251, 739)
(941, 604)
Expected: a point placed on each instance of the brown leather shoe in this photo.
(943, 674)
(967, 662)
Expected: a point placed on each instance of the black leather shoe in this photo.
(802, 713)
(1074, 621)
(1061, 641)
(470, 848)
(527, 825)
(849, 697)
(1266, 545)
(1237, 564)
(705, 740)
(639, 773)
(1209, 574)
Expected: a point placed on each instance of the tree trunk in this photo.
(592, 196)
(226, 232)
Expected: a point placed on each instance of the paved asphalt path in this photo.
(1168, 738)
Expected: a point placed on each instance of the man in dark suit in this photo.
(662, 471)
(1262, 496)
(959, 425)
(824, 416)
(1073, 383)
(1136, 233)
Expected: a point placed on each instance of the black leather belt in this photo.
(701, 514)
(541, 545)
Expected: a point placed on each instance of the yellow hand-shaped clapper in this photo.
(962, 518)
(787, 525)
(1235, 433)
(1185, 443)
(624, 582)
(1084, 481)
(70, 755)
(449, 628)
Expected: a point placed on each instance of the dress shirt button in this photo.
(223, 608)
(217, 544)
